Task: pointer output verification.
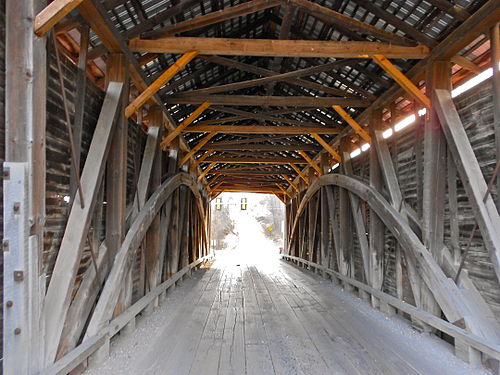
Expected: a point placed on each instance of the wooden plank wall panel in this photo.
(2, 151)
(136, 144)
(58, 153)
(476, 111)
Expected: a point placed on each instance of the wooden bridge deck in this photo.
(238, 317)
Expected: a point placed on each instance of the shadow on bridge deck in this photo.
(243, 316)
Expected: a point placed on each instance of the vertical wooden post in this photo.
(116, 167)
(116, 185)
(24, 189)
(345, 219)
(376, 226)
(438, 77)
(324, 219)
(495, 61)
(116, 172)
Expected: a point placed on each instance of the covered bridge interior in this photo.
(376, 123)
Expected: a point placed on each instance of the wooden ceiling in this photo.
(279, 81)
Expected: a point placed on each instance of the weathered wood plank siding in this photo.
(476, 111)
(2, 151)
(59, 162)
(58, 153)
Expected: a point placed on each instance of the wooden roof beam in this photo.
(253, 160)
(295, 187)
(206, 170)
(261, 147)
(390, 18)
(290, 80)
(198, 161)
(278, 77)
(331, 17)
(52, 14)
(159, 83)
(326, 146)
(277, 48)
(258, 129)
(300, 173)
(402, 80)
(196, 148)
(182, 126)
(230, 172)
(244, 115)
(466, 64)
(278, 101)
(311, 162)
(283, 190)
(353, 124)
(247, 190)
(213, 18)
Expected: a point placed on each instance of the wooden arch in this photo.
(123, 260)
(449, 297)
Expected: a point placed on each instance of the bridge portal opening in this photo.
(249, 225)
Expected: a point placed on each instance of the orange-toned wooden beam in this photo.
(299, 172)
(206, 170)
(277, 48)
(402, 80)
(200, 159)
(326, 146)
(52, 14)
(353, 123)
(283, 190)
(295, 187)
(159, 83)
(311, 162)
(196, 148)
(178, 130)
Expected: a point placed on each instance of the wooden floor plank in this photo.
(245, 317)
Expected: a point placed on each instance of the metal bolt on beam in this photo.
(18, 275)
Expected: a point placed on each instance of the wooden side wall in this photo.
(475, 108)
(2, 149)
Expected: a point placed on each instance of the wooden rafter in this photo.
(277, 77)
(295, 187)
(182, 126)
(197, 161)
(159, 83)
(261, 147)
(196, 148)
(231, 172)
(254, 160)
(206, 170)
(295, 81)
(276, 48)
(311, 162)
(283, 190)
(353, 123)
(279, 101)
(52, 14)
(260, 129)
(332, 17)
(300, 173)
(402, 80)
(212, 18)
(326, 146)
